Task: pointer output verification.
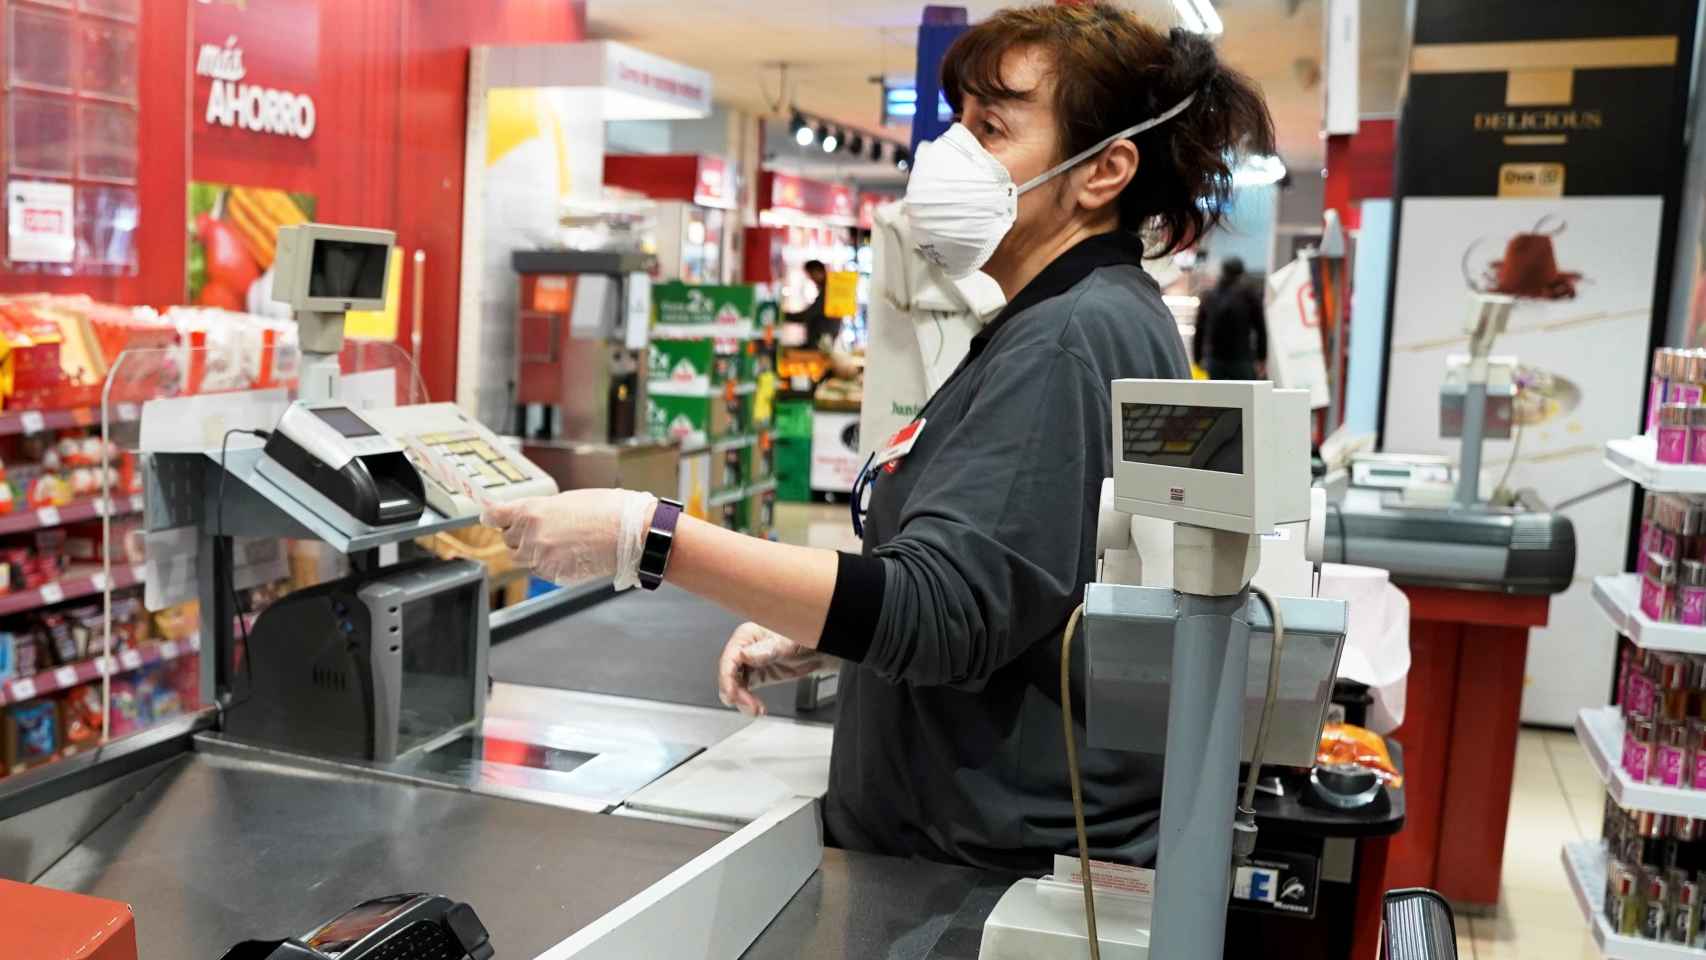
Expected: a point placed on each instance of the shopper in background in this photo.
(1233, 326)
(819, 326)
(980, 539)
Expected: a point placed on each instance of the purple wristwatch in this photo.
(654, 557)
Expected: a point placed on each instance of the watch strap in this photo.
(660, 540)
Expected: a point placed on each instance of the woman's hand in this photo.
(755, 657)
(577, 535)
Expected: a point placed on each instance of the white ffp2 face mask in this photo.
(961, 201)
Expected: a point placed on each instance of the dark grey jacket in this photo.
(977, 547)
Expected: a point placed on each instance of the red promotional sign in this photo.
(715, 187)
(256, 101)
(833, 200)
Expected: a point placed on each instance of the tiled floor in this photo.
(1556, 799)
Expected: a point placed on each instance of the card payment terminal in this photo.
(343, 456)
(406, 926)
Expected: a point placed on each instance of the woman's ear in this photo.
(1110, 173)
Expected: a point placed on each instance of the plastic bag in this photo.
(1377, 642)
(1345, 745)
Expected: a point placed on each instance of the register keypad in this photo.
(474, 458)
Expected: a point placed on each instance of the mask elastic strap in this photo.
(1132, 131)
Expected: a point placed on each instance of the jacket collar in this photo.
(1120, 247)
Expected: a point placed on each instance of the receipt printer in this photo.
(337, 453)
(407, 926)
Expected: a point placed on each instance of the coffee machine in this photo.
(583, 322)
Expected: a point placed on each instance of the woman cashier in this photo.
(1083, 133)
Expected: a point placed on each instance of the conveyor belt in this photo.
(655, 646)
(218, 850)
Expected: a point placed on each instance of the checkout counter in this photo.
(1480, 568)
(576, 785)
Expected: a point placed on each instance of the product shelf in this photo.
(36, 421)
(54, 680)
(42, 518)
(1636, 458)
(1584, 863)
(85, 582)
(1600, 730)
(1619, 597)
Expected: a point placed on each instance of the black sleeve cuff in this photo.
(854, 608)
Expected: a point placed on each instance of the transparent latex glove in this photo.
(577, 535)
(755, 657)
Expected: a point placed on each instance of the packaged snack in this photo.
(31, 735)
(8, 655)
(129, 711)
(1343, 743)
(178, 622)
(61, 641)
(130, 624)
(49, 490)
(87, 625)
(27, 652)
(80, 709)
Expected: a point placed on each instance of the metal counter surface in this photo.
(655, 646)
(861, 906)
(218, 850)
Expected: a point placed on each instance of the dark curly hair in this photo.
(1112, 70)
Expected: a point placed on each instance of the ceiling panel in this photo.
(834, 49)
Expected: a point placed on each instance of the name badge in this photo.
(899, 446)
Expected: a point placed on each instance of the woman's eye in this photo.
(989, 129)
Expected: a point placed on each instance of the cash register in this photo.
(390, 659)
(1404, 514)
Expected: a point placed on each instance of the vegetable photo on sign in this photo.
(233, 241)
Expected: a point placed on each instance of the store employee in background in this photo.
(820, 327)
(979, 541)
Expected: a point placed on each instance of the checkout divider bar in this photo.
(715, 905)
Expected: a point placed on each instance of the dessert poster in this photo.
(1583, 269)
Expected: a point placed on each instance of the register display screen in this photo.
(342, 270)
(1172, 435)
(345, 422)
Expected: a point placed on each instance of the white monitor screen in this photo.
(343, 270)
(1173, 435)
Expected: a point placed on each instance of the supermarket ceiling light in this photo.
(830, 140)
(1198, 16)
(801, 130)
(1259, 171)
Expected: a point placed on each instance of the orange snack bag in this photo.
(1344, 744)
